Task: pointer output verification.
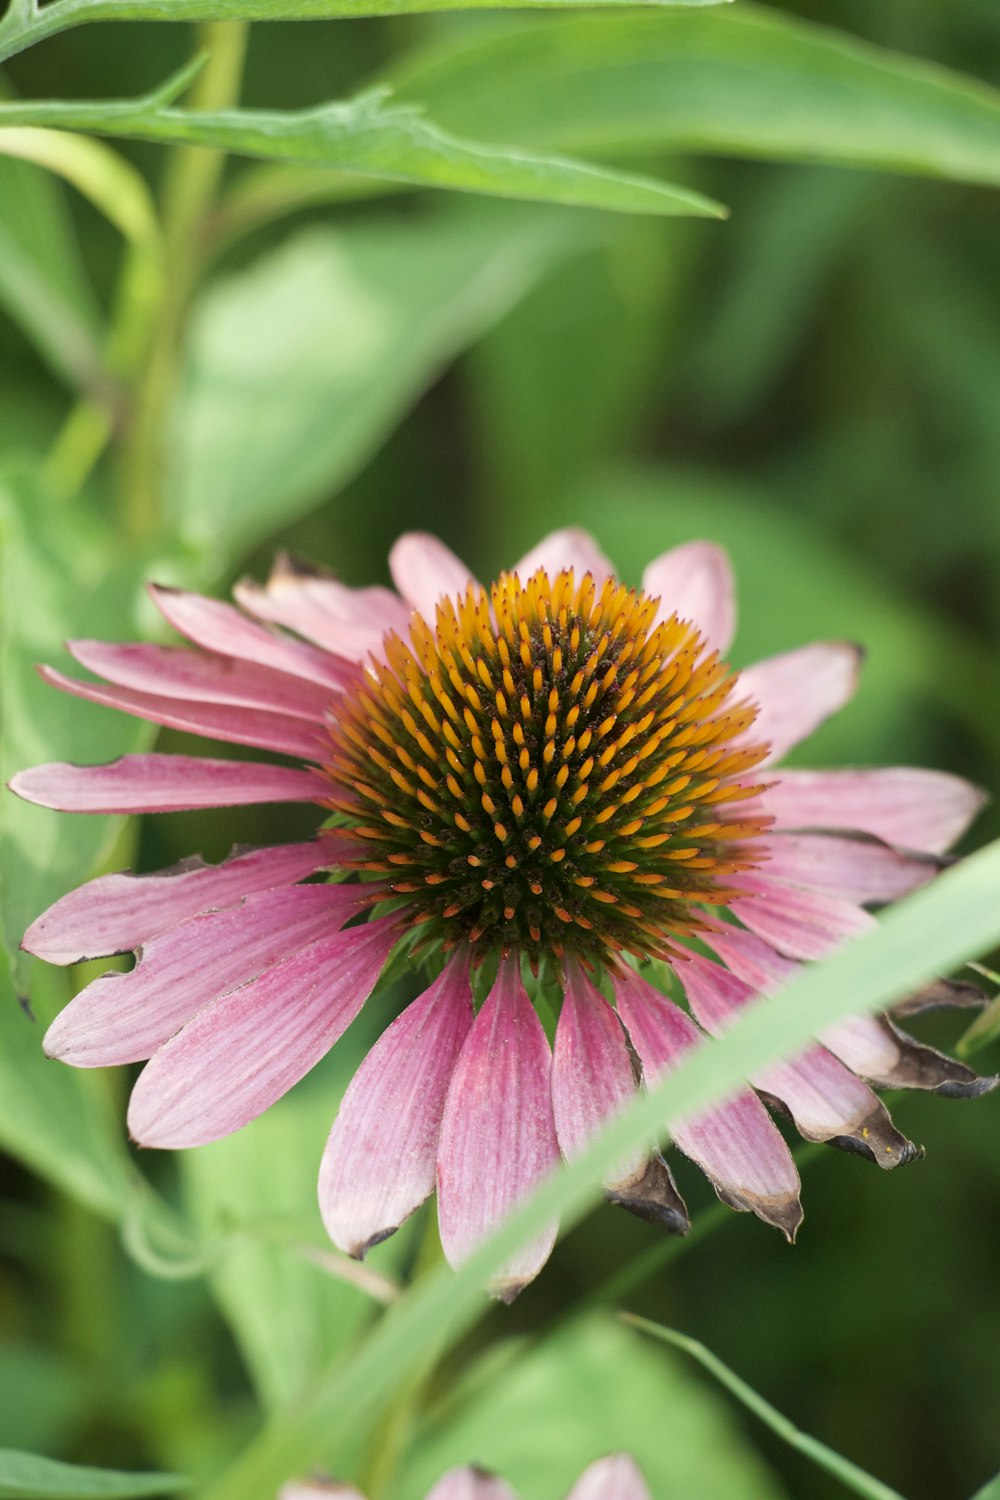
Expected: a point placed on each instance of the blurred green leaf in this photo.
(743, 82)
(298, 367)
(989, 1491)
(25, 1476)
(372, 137)
(257, 1188)
(590, 1389)
(43, 286)
(930, 932)
(26, 23)
(43, 1395)
(62, 573)
(849, 1474)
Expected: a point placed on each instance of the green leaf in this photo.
(742, 82)
(930, 932)
(25, 1476)
(298, 367)
(849, 1474)
(590, 1389)
(43, 287)
(60, 575)
(373, 138)
(989, 1491)
(25, 23)
(290, 1316)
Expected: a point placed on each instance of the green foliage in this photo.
(539, 1415)
(299, 366)
(745, 82)
(373, 138)
(24, 1476)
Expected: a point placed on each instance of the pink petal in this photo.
(246, 1049)
(616, 1478)
(591, 1073)
(319, 1489)
(118, 912)
(164, 783)
(735, 1143)
(498, 1138)
(914, 808)
(379, 1163)
(695, 581)
(799, 923)
(860, 869)
(471, 1484)
(566, 549)
(424, 570)
(796, 691)
(349, 622)
(754, 960)
(220, 627)
(217, 721)
(203, 676)
(824, 1098)
(122, 1018)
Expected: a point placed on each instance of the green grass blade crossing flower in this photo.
(931, 932)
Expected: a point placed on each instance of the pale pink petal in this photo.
(859, 868)
(246, 1049)
(799, 923)
(872, 1046)
(561, 550)
(695, 581)
(379, 1163)
(796, 691)
(424, 570)
(911, 807)
(736, 1144)
(122, 1018)
(164, 783)
(219, 627)
(349, 622)
(498, 1138)
(591, 1073)
(115, 913)
(824, 1098)
(319, 1489)
(471, 1484)
(217, 721)
(204, 677)
(616, 1478)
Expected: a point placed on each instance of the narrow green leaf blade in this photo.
(373, 138)
(24, 24)
(742, 82)
(26, 1476)
(930, 932)
(853, 1478)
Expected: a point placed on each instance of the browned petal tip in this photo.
(942, 994)
(782, 1210)
(877, 1138)
(653, 1196)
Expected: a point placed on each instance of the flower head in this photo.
(555, 781)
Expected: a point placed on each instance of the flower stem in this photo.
(189, 192)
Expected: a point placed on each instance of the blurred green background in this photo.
(815, 384)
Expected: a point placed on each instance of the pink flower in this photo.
(558, 774)
(613, 1478)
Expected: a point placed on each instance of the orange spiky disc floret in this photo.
(548, 770)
